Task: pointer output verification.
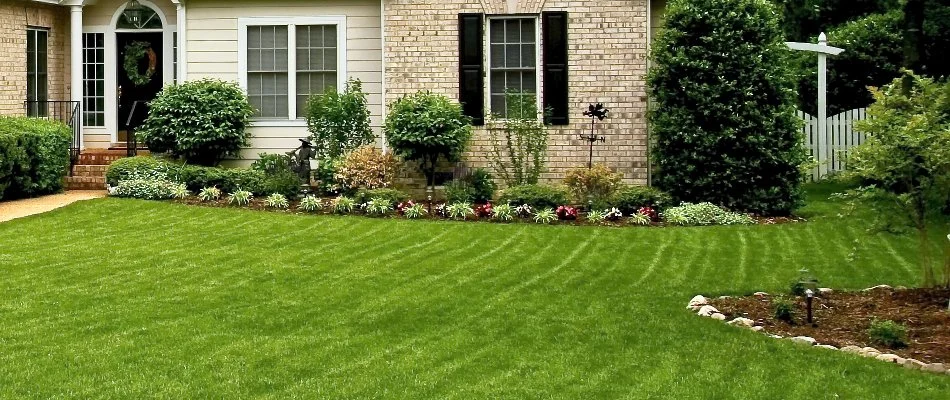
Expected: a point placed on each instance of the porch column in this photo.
(182, 40)
(75, 65)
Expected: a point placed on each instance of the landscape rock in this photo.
(743, 322)
(760, 294)
(851, 349)
(826, 346)
(707, 311)
(825, 291)
(935, 368)
(775, 336)
(870, 352)
(891, 358)
(697, 302)
(913, 364)
(879, 287)
(758, 328)
(718, 317)
(805, 340)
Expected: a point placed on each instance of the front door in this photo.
(139, 73)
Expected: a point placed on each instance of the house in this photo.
(63, 55)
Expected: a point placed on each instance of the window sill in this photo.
(278, 123)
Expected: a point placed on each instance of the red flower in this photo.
(566, 213)
(484, 211)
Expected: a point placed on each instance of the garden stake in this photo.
(595, 112)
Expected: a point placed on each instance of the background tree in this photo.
(724, 123)
(425, 127)
(905, 162)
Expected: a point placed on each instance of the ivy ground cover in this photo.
(119, 298)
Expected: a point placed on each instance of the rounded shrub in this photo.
(34, 156)
(424, 127)
(629, 199)
(724, 125)
(125, 168)
(537, 196)
(201, 121)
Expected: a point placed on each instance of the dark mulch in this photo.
(842, 319)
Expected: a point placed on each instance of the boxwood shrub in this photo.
(34, 156)
(629, 199)
(536, 195)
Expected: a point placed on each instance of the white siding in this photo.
(213, 52)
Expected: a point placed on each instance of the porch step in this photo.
(104, 157)
(76, 182)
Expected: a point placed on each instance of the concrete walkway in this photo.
(21, 208)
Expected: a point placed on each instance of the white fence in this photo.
(830, 151)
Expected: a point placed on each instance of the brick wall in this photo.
(607, 64)
(15, 17)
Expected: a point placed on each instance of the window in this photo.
(512, 59)
(285, 61)
(93, 80)
(37, 80)
(175, 57)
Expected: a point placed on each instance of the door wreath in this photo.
(134, 52)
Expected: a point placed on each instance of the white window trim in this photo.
(291, 23)
(537, 59)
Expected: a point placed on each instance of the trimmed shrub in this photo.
(392, 195)
(537, 196)
(201, 122)
(629, 199)
(725, 125)
(366, 168)
(424, 127)
(34, 156)
(125, 168)
(339, 122)
(595, 184)
(482, 185)
(278, 176)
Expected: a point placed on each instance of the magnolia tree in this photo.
(424, 127)
(724, 125)
(905, 161)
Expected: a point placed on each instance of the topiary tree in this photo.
(201, 121)
(724, 122)
(339, 121)
(425, 127)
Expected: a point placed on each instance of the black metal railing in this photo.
(135, 119)
(65, 111)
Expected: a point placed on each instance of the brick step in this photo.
(90, 170)
(86, 182)
(104, 157)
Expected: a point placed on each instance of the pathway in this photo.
(21, 208)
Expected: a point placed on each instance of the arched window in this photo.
(138, 16)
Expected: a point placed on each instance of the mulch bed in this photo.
(842, 319)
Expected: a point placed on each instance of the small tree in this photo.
(425, 127)
(518, 150)
(906, 158)
(724, 124)
(200, 121)
(339, 122)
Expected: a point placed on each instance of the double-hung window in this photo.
(512, 60)
(37, 77)
(284, 61)
(513, 53)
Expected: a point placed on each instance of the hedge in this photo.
(34, 157)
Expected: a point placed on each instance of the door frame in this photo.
(111, 53)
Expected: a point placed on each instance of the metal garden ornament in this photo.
(596, 112)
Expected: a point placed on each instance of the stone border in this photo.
(700, 305)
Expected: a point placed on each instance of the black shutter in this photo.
(554, 66)
(471, 67)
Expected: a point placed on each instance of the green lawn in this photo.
(131, 299)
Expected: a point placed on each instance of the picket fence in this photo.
(830, 151)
